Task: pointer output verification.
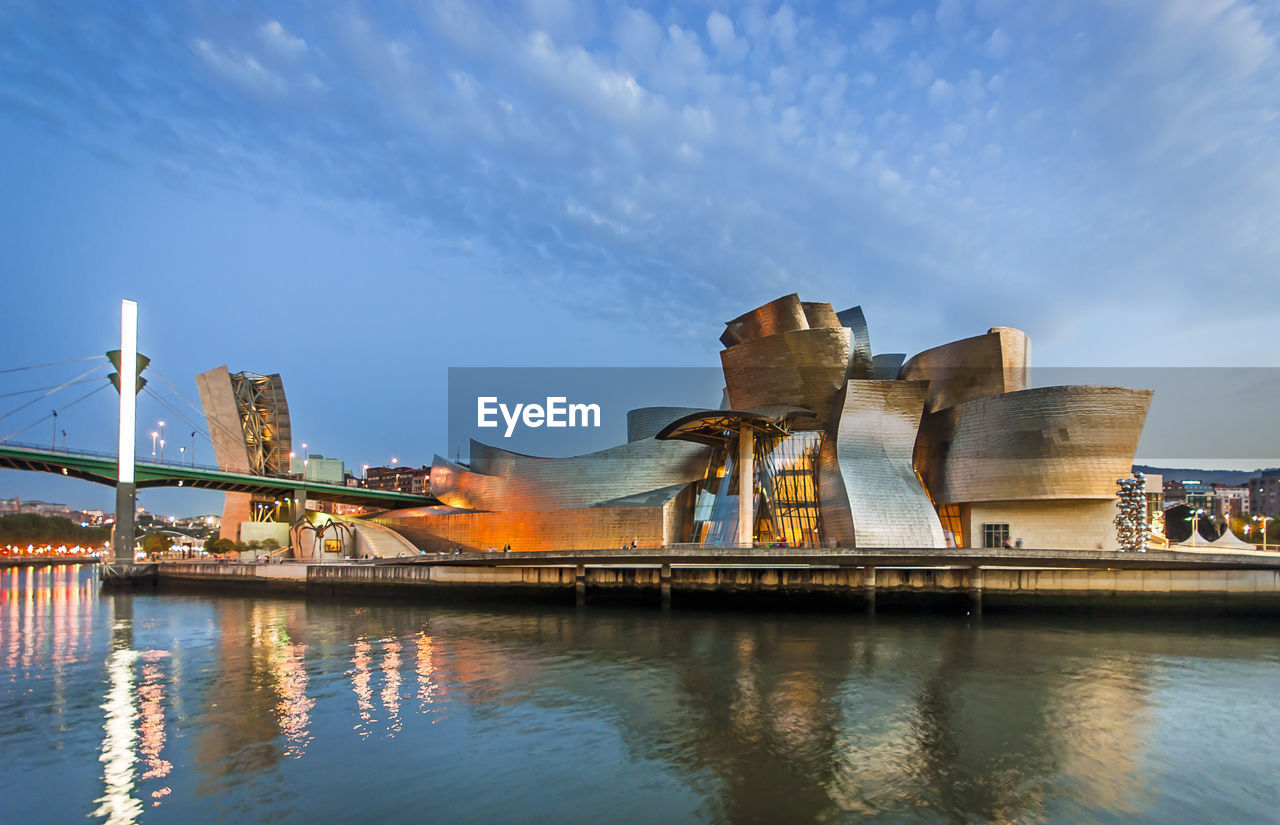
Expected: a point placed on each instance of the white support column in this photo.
(746, 486)
(126, 491)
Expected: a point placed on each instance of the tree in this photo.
(153, 544)
(216, 546)
(270, 546)
(29, 528)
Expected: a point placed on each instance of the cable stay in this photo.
(50, 415)
(86, 374)
(42, 389)
(52, 364)
(162, 401)
(173, 388)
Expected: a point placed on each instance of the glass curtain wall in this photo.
(785, 491)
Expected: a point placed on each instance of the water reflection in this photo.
(225, 709)
(118, 804)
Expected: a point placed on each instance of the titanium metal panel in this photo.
(860, 358)
(820, 315)
(972, 368)
(804, 368)
(535, 483)
(868, 489)
(785, 314)
(1047, 443)
(886, 367)
(646, 422)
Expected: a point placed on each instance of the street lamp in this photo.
(154, 436)
(182, 456)
(1194, 518)
(162, 451)
(304, 452)
(1263, 521)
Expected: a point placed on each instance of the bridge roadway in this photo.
(861, 557)
(101, 468)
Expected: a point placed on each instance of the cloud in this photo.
(997, 45)
(720, 31)
(274, 36)
(881, 34)
(240, 68)
(940, 91)
(629, 158)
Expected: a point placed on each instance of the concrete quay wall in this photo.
(1210, 590)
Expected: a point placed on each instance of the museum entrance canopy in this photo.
(717, 427)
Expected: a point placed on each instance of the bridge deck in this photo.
(101, 468)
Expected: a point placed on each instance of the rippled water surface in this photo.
(177, 708)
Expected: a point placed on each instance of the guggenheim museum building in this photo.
(822, 442)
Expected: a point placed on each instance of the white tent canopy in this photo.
(1228, 541)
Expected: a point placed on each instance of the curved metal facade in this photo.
(804, 368)
(646, 422)
(861, 361)
(520, 482)
(786, 314)
(1048, 443)
(871, 496)
(971, 368)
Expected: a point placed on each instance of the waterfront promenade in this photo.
(44, 561)
(973, 578)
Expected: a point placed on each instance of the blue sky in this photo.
(360, 197)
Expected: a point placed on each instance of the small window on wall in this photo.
(994, 535)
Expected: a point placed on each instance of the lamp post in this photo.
(193, 448)
(154, 436)
(304, 452)
(162, 451)
(182, 456)
(53, 444)
(1194, 518)
(1262, 520)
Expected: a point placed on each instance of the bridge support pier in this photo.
(869, 582)
(580, 585)
(123, 536)
(664, 584)
(975, 590)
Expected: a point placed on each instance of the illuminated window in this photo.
(994, 535)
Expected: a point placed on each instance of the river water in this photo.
(224, 709)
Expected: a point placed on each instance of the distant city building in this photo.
(1230, 500)
(1174, 492)
(1264, 494)
(318, 468)
(399, 479)
(1197, 495)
